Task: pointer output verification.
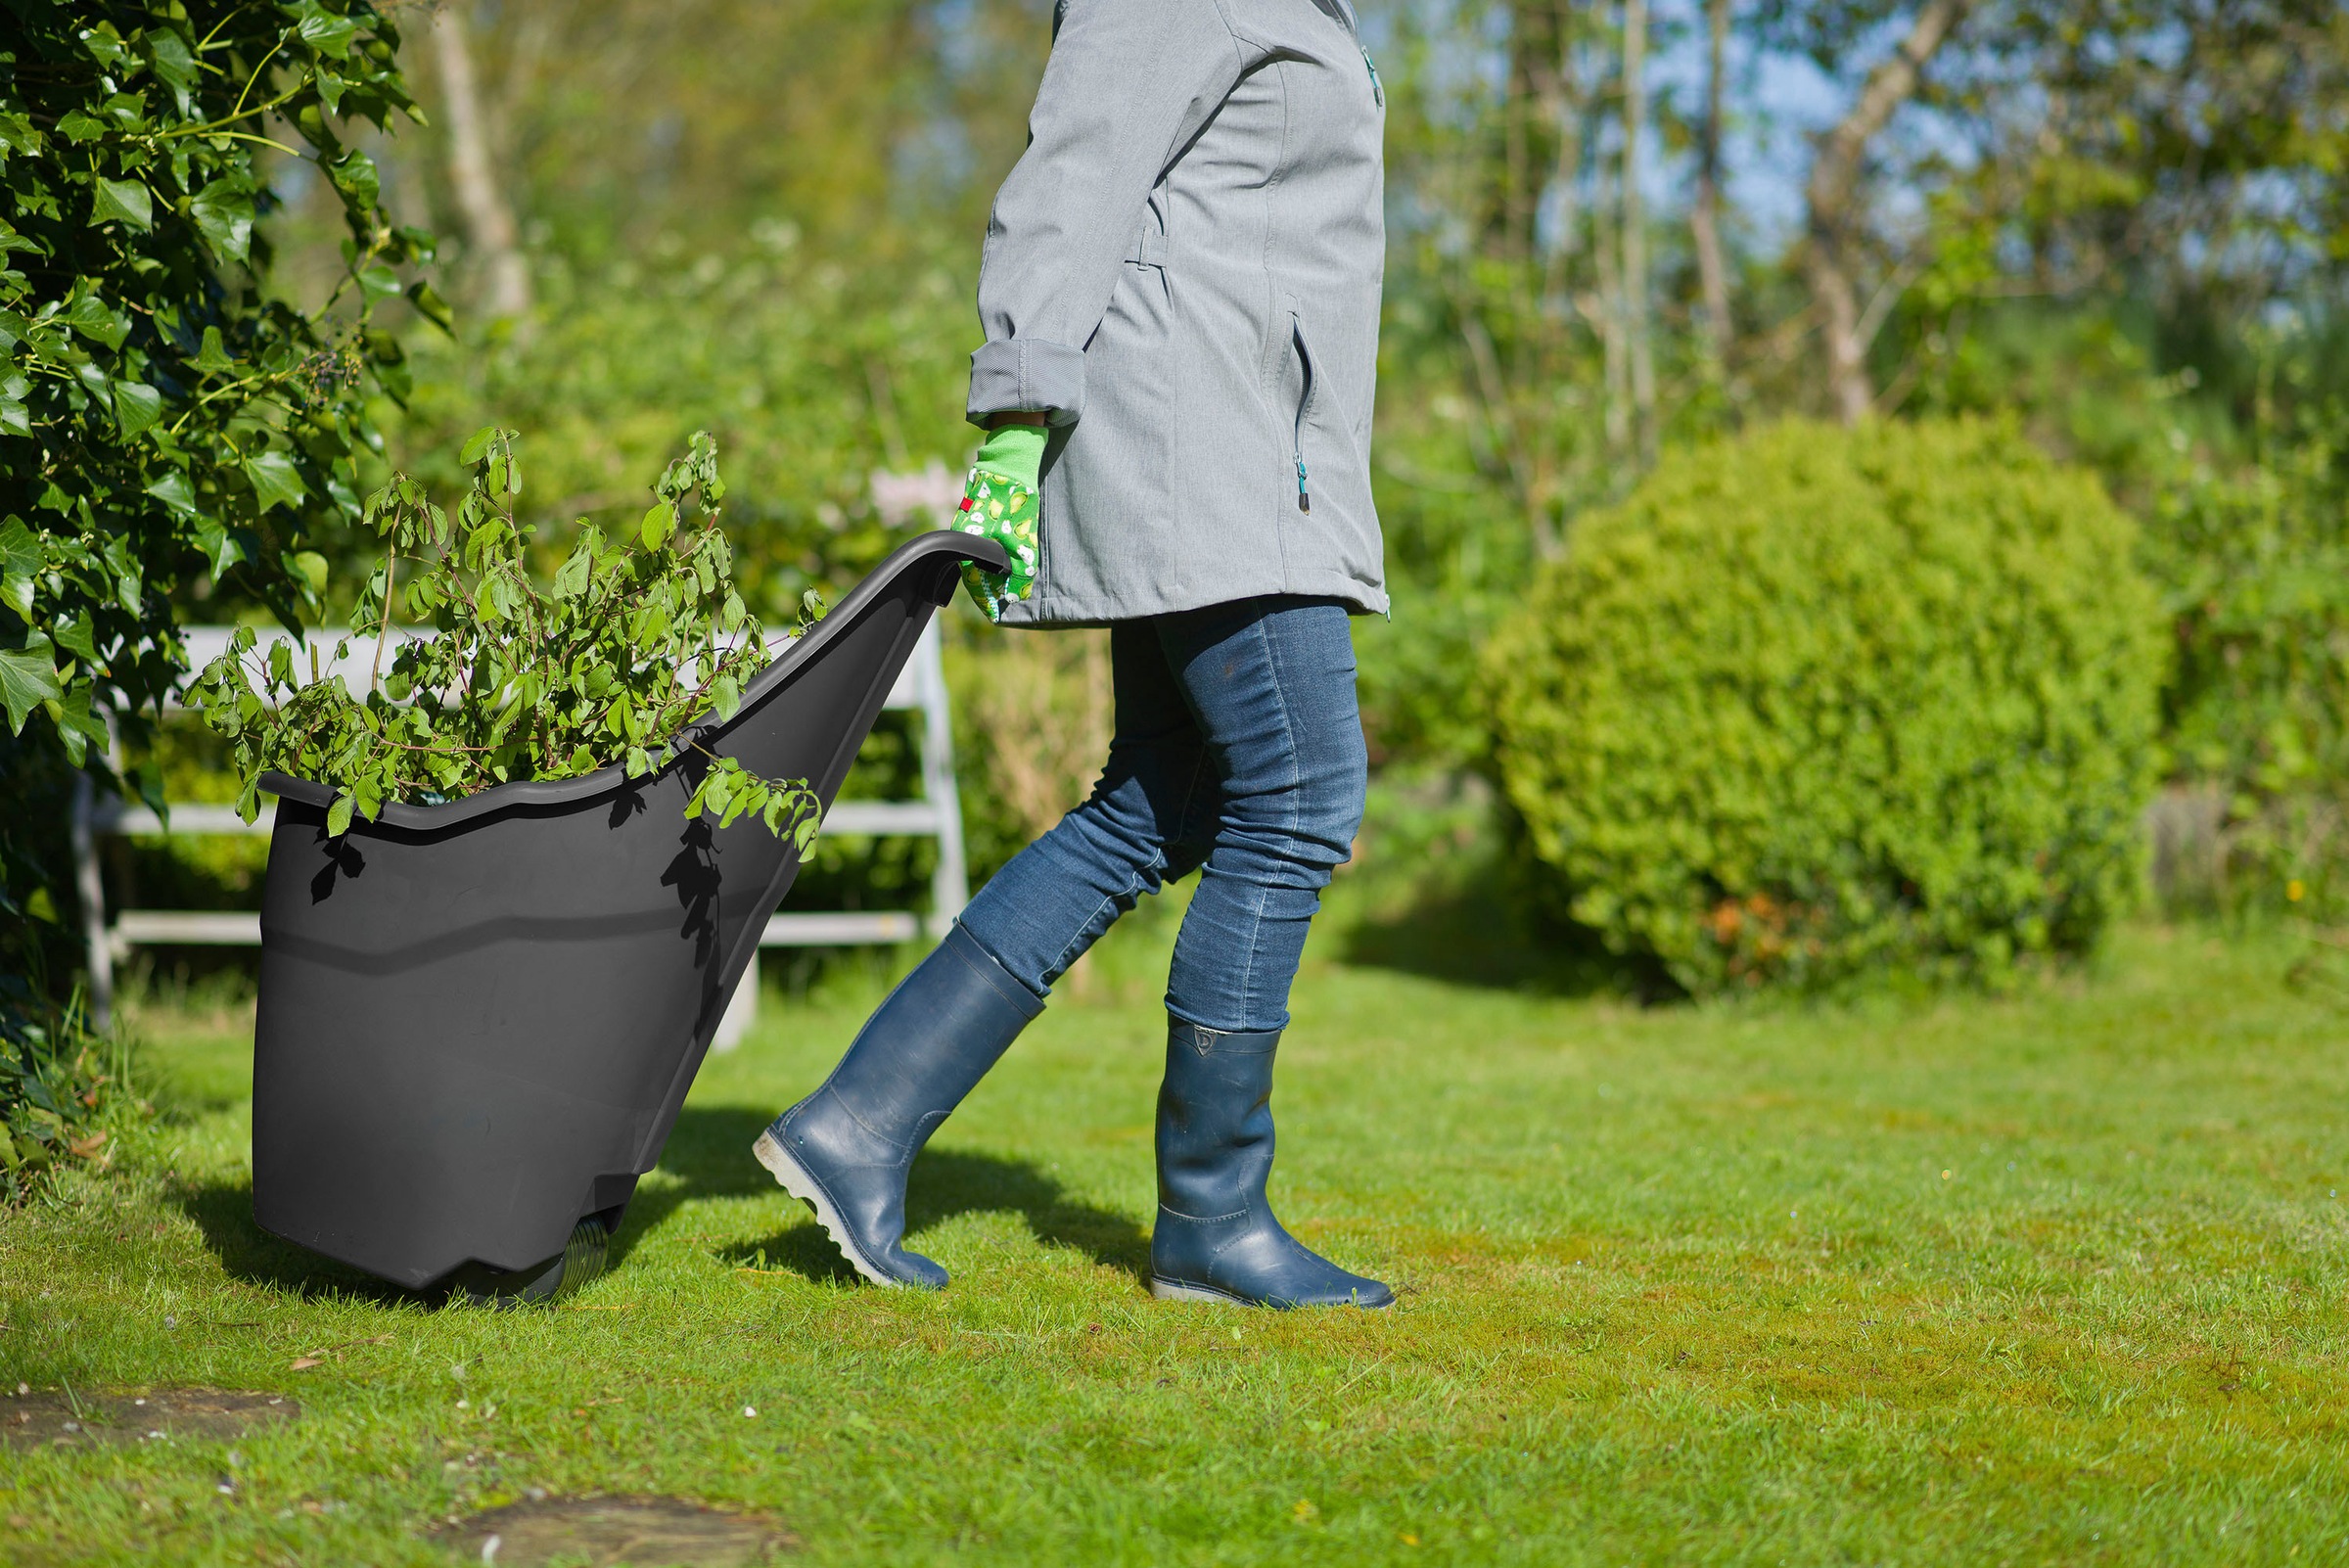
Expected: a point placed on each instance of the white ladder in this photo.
(937, 813)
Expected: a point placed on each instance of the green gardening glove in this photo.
(999, 503)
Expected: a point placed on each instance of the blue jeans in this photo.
(1238, 752)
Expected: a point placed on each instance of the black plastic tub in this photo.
(478, 1020)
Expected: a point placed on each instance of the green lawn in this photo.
(2052, 1278)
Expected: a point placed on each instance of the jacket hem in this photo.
(1049, 608)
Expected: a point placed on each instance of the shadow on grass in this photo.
(223, 1213)
(709, 1155)
(1483, 928)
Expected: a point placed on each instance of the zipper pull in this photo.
(1378, 89)
(1305, 501)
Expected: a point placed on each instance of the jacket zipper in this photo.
(1305, 402)
(1378, 89)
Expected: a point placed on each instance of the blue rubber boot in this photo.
(1216, 1237)
(846, 1150)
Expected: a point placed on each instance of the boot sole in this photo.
(801, 1182)
(1173, 1290)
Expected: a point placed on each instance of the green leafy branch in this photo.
(631, 642)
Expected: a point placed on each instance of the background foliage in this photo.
(1615, 230)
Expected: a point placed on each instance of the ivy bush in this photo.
(1822, 701)
(609, 663)
(168, 425)
(160, 416)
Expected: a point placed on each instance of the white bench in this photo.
(921, 686)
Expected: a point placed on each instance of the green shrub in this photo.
(2253, 564)
(1819, 701)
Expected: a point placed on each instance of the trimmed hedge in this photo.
(1819, 702)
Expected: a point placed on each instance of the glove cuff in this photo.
(1015, 451)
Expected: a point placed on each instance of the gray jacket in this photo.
(1183, 272)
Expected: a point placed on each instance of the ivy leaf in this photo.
(91, 318)
(355, 176)
(174, 491)
(212, 356)
(220, 545)
(20, 565)
(77, 127)
(328, 34)
(27, 680)
(105, 45)
(275, 481)
(124, 200)
(223, 213)
(172, 62)
(76, 726)
(78, 634)
(16, 418)
(137, 406)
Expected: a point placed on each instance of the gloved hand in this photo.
(999, 502)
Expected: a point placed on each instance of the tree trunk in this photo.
(1704, 219)
(504, 279)
(1833, 198)
(1637, 342)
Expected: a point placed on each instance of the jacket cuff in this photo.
(1027, 374)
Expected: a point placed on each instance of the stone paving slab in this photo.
(56, 1418)
(608, 1532)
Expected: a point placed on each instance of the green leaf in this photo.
(212, 356)
(572, 580)
(355, 176)
(137, 406)
(477, 444)
(124, 200)
(379, 283)
(77, 725)
(174, 491)
(328, 34)
(656, 524)
(76, 634)
(223, 214)
(172, 62)
(105, 45)
(312, 567)
(91, 318)
(275, 481)
(77, 127)
(338, 816)
(20, 565)
(432, 306)
(27, 680)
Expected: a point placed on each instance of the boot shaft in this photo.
(932, 1039)
(1215, 1119)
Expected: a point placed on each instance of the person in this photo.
(1181, 296)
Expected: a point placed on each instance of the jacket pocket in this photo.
(1304, 405)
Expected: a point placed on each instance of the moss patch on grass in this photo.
(2054, 1277)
